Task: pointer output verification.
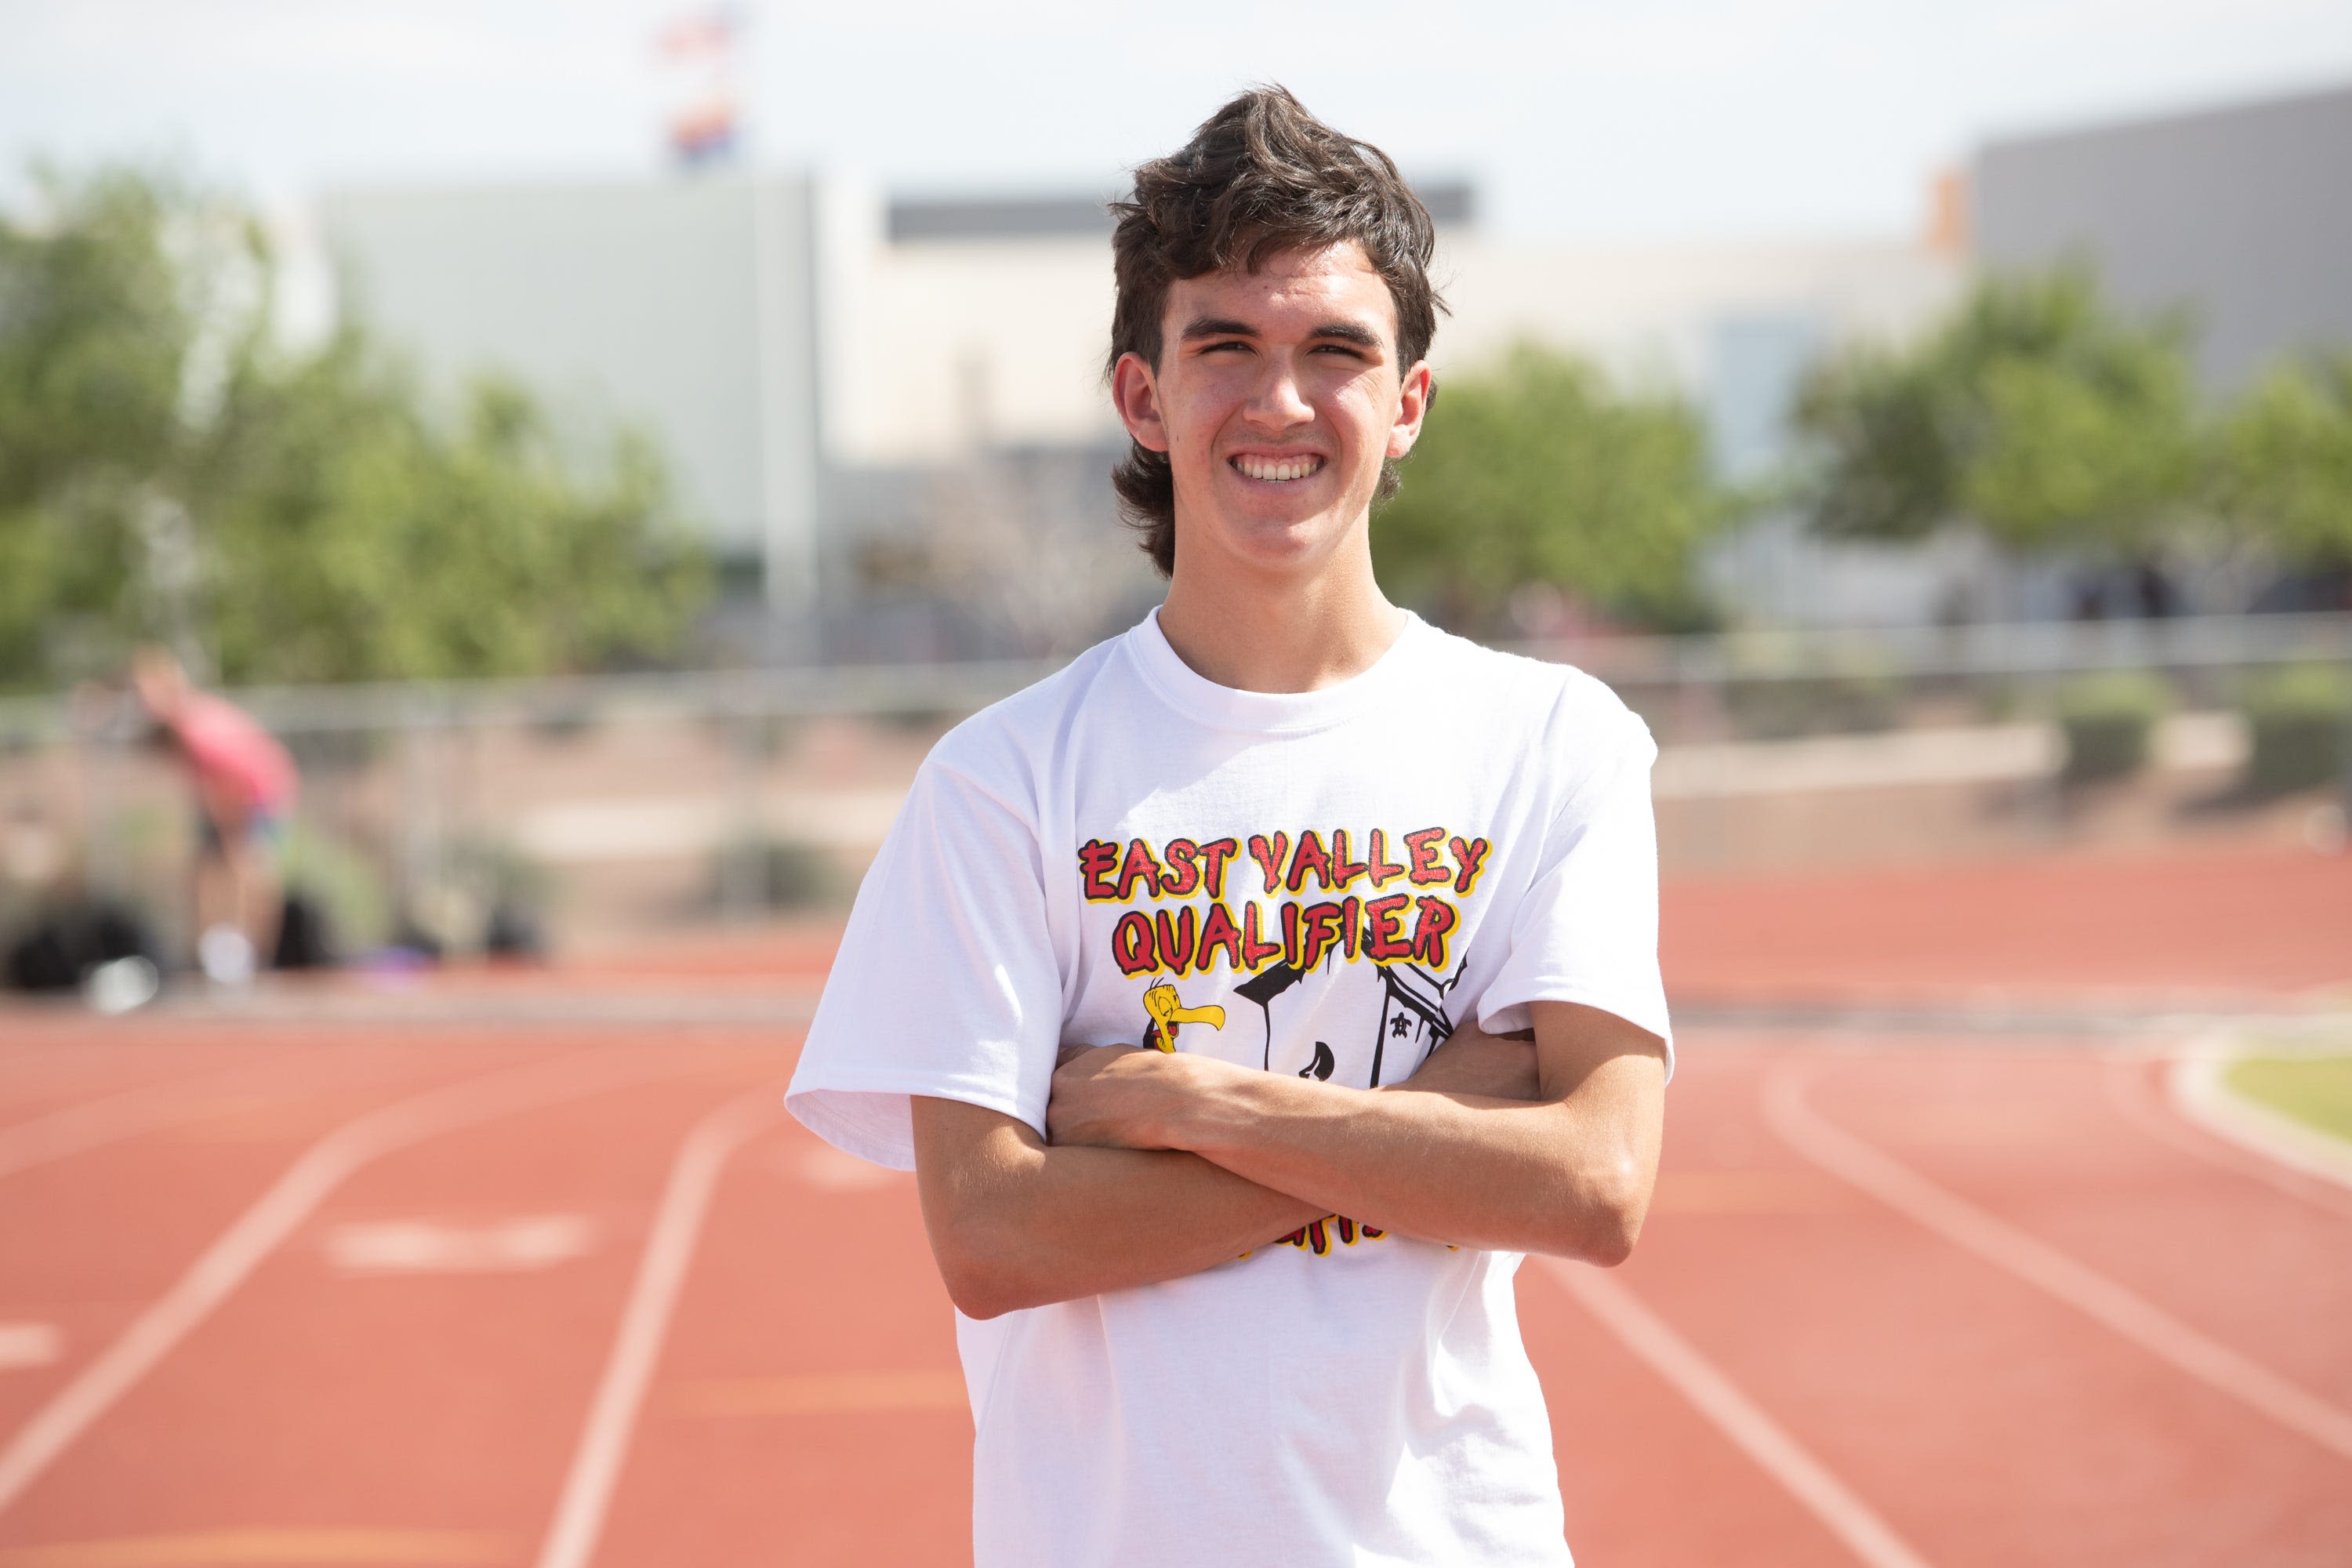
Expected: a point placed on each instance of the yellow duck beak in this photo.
(1166, 1010)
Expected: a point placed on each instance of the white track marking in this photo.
(644, 1322)
(1778, 1454)
(2039, 1264)
(521, 1245)
(2130, 1093)
(74, 1129)
(301, 1547)
(291, 1200)
(29, 1344)
(2201, 1094)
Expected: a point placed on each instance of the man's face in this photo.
(1276, 397)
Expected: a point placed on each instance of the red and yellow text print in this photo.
(1280, 896)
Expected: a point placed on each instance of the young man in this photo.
(1182, 978)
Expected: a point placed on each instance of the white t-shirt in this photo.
(1314, 884)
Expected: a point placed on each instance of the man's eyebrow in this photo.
(1221, 326)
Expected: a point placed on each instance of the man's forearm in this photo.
(1569, 1174)
(1468, 1170)
(1017, 1223)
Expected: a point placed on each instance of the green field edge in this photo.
(2315, 1091)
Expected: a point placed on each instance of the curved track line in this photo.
(257, 1233)
(1828, 1500)
(2039, 1264)
(2201, 1094)
(2128, 1090)
(644, 1322)
(147, 1107)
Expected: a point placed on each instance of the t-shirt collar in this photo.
(1266, 712)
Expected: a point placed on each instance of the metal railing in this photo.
(2029, 649)
(424, 759)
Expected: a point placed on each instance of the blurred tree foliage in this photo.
(1538, 471)
(167, 468)
(2036, 411)
(2281, 461)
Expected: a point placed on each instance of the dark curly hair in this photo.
(1259, 177)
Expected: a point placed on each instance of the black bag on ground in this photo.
(306, 940)
(69, 941)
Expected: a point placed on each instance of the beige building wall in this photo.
(959, 346)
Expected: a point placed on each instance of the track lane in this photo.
(1933, 1382)
(89, 1237)
(804, 1402)
(170, 1358)
(809, 1406)
(52, 1064)
(1648, 1478)
(2036, 1140)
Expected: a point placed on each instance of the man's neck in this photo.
(1279, 634)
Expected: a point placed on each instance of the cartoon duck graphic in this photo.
(1168, 1012)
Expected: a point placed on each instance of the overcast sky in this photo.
(1674, 118)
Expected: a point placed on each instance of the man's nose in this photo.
(1277, 402)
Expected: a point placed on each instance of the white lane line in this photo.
(2201, 1093)
(300, 1547)
(522, 1245)
(291, 1200)
(1777, 1454)
(2177, 1127)
(146, 1108)
(2039, 1264)
(644, 1322)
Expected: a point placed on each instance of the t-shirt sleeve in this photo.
(1587, 930)
(946, 984)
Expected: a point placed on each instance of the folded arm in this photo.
(1016, 1222)
(1569, 1174)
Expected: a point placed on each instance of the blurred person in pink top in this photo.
(245, 786)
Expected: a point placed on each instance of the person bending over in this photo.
(1185, 979)
(245, 786)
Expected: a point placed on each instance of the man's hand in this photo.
(1106, 1096)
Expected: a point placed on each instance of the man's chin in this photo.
(1278, 542)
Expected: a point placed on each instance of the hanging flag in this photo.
(701, 49)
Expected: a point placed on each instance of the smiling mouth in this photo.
(1277, 468)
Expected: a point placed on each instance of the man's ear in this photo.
(1413, 398)
(1135, 393)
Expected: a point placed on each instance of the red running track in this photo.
(1869, 1386)
(2241, 927)
(2235, 926)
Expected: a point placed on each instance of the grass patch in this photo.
(2315, 1091)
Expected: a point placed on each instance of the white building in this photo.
(822, 364)
(687, 307)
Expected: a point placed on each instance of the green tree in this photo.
(167, 468)
(2282, 462)
(1538, 471)
(2037, 412)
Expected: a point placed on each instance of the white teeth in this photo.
(1287, 468)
